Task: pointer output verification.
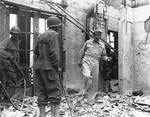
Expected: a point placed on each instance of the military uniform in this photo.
(46, 65)
(8, 76)
(92, 51)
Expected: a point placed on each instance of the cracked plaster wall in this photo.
(134, 52)
(126, 50)
(141, 49)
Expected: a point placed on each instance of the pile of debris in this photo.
(110, 105)
(29, 109)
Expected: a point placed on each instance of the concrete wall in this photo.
(141, 49)
(134, 52)
(126, 51)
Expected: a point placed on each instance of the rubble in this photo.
(138, 92)
(112, 105)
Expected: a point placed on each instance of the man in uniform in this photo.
(47, 67)
(91, 53)
(109, 69)
(9, 51)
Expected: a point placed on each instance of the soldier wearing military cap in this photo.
(9, 51)
(91, 53)
(47, 67)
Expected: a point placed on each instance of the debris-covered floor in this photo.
(112, 105)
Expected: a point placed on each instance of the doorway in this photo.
(110, 69)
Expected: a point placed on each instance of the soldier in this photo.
(9, 51)
(107, 70)
(47, 68)
(91, 53)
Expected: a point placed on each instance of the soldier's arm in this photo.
(53, 54)
(5, 48)
(36, 51)
(104, 55)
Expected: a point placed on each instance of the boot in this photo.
(42, 111)
(107, 86)
(54, 111)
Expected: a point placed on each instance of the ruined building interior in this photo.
(125, 31)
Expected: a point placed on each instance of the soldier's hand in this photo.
(80, 64)
(59, 69)
(109, 58)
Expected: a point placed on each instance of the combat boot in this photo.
(107, 86)
(42, 111)
(54, 111)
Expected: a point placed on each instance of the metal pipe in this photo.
(67, 14)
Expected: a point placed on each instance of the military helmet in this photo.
(53, 21)
(97, 32)
(15, 30)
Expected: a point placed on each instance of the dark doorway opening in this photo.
(110, 69)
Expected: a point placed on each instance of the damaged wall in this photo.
(126, 50)
(141, 49)
(134, 51)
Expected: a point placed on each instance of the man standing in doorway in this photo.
(9, 49)
(46, 67)
(91, 53)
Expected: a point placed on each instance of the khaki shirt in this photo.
(96, 50)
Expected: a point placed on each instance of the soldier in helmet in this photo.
(47, 68)
(9, 50)
(91, 53)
